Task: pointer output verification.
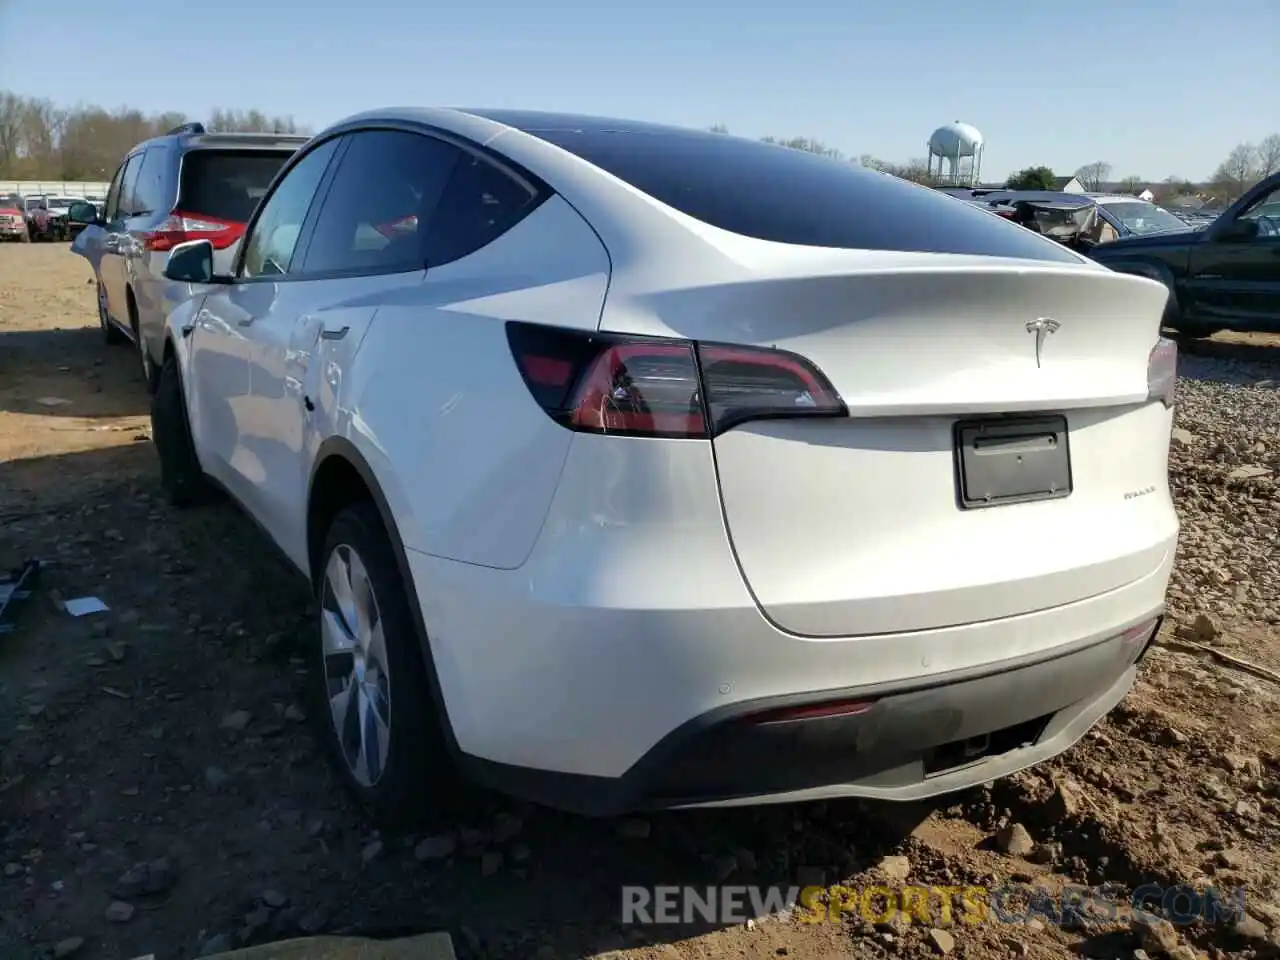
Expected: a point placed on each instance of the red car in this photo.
(13, 219)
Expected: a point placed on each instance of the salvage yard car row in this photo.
(40, 217)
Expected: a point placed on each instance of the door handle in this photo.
(245, 322)
(327, 334)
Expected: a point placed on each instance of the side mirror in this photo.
(82, 211)
(1239, 231)
(190, 262)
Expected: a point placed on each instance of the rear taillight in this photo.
(606, 383)
(1162, 371)
(180, 227)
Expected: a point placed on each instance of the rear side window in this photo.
(227, 184)
(480, 204)
(149, 191)
(382, 196)
(792, 196)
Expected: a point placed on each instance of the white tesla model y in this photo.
(635, 466)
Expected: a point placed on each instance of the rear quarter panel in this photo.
(466, 459)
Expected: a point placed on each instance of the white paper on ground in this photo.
(82, 605)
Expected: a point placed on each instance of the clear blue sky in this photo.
(1155, 87)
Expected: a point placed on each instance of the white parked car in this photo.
(636, 466)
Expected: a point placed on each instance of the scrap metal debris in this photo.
(17, 585)
(81, 606)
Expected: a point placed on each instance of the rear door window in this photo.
(385, 191)
(274, 237)
(227, 184)
(113, 194)
(127, 184)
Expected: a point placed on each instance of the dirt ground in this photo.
(124, 739)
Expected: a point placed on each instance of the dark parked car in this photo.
(1225, 276)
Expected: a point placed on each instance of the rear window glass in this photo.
(227, 185)
(792, 196)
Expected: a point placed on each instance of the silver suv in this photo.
(186, 185)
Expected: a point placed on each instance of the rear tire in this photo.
(390, 753)
(180, 474)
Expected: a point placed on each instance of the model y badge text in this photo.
(1042, 327)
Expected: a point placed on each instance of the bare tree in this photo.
(44, 141)
(12, 110)
(1238, 172)
(718, 128)
(1093, 175)
(916, 170)
(1132, 185)
(1269, 156)
(249, 121)
(807, 145)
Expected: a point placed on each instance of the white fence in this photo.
(55, 188)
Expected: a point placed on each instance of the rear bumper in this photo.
(613, 669)
(910, 744)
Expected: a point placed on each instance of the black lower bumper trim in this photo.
(911, 743)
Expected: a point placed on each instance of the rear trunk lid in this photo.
(901, 518)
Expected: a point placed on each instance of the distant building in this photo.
(1069, 185)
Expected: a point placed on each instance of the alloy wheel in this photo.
(356, 671)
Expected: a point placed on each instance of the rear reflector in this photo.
(1141, 632)
(812, 711)
(644, 386)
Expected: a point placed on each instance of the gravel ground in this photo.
(1225, 471)
(160, 792)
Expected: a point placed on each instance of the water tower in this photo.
(957, 148)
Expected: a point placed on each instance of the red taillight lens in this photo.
(1162, 371)
(603, 383)
(180, 227)
(747, 383)
(648, 388)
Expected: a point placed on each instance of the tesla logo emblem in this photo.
(1042, 328)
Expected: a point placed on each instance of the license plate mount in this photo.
(1005, 460)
